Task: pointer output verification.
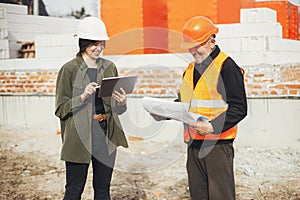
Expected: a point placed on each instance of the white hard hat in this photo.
(92, 28)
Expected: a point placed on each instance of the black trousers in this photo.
(210, 172)
(102, 164)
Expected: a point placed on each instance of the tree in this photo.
(79, 14)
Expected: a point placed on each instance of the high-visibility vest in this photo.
(204, 99)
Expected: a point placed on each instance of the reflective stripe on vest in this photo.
(204, 99)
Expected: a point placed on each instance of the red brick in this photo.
(141, 92)
(294, 92)
(9, 85)
(13, 77)
(29, 85)
(163, 92)
(284, 92)
(32, 77)
(45, 78)
(273, 92)
(253, 86)
(293, 86)
(154, 86)
(157, 71)
(279, 86)
(259, 75)
(148, 76)
(163, 76)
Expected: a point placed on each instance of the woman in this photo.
(89, 124)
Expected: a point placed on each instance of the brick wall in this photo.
(272, 81)
(260, 81)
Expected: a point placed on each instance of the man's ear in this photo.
(212, 43)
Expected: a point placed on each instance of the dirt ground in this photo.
(30, 169)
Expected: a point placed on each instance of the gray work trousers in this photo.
(210, 172)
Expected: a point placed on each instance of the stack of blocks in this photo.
(4, 47)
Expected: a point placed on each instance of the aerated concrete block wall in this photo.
(20, 26)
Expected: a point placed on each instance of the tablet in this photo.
(111, 84)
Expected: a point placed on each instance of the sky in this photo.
(65, 7)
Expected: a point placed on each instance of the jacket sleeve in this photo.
(231, 87)
(65, 103)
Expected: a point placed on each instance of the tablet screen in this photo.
(111, 84)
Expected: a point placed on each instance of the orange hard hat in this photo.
(197, 30)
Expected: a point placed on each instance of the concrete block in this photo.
(4, 49)
(3, 23)
(282, 57)
(4, 44)
(2, 13)
(230, 44)
(3, 33)
(253, 43)
(258, 15)
(56, 52)
(14, 9)
(56, 40)
(275, 44)
(249, 58)
(248, 30)
(42, 20)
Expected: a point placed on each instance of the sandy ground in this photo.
(30, 169)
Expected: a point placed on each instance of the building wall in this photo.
(154, 77)
(270, 122)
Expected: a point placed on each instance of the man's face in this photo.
(202, 51)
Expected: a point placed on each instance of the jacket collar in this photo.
(83, 65)
(211, 56)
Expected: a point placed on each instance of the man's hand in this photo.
(202, 128)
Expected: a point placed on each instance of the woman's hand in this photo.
(88, 91)
(120, 97)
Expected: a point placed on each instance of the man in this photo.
(213, 85)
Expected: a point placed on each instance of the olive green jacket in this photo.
(76, 116)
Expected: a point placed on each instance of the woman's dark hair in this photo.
(84, 44)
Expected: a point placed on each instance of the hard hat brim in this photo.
(91, 38)
(188, 45)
